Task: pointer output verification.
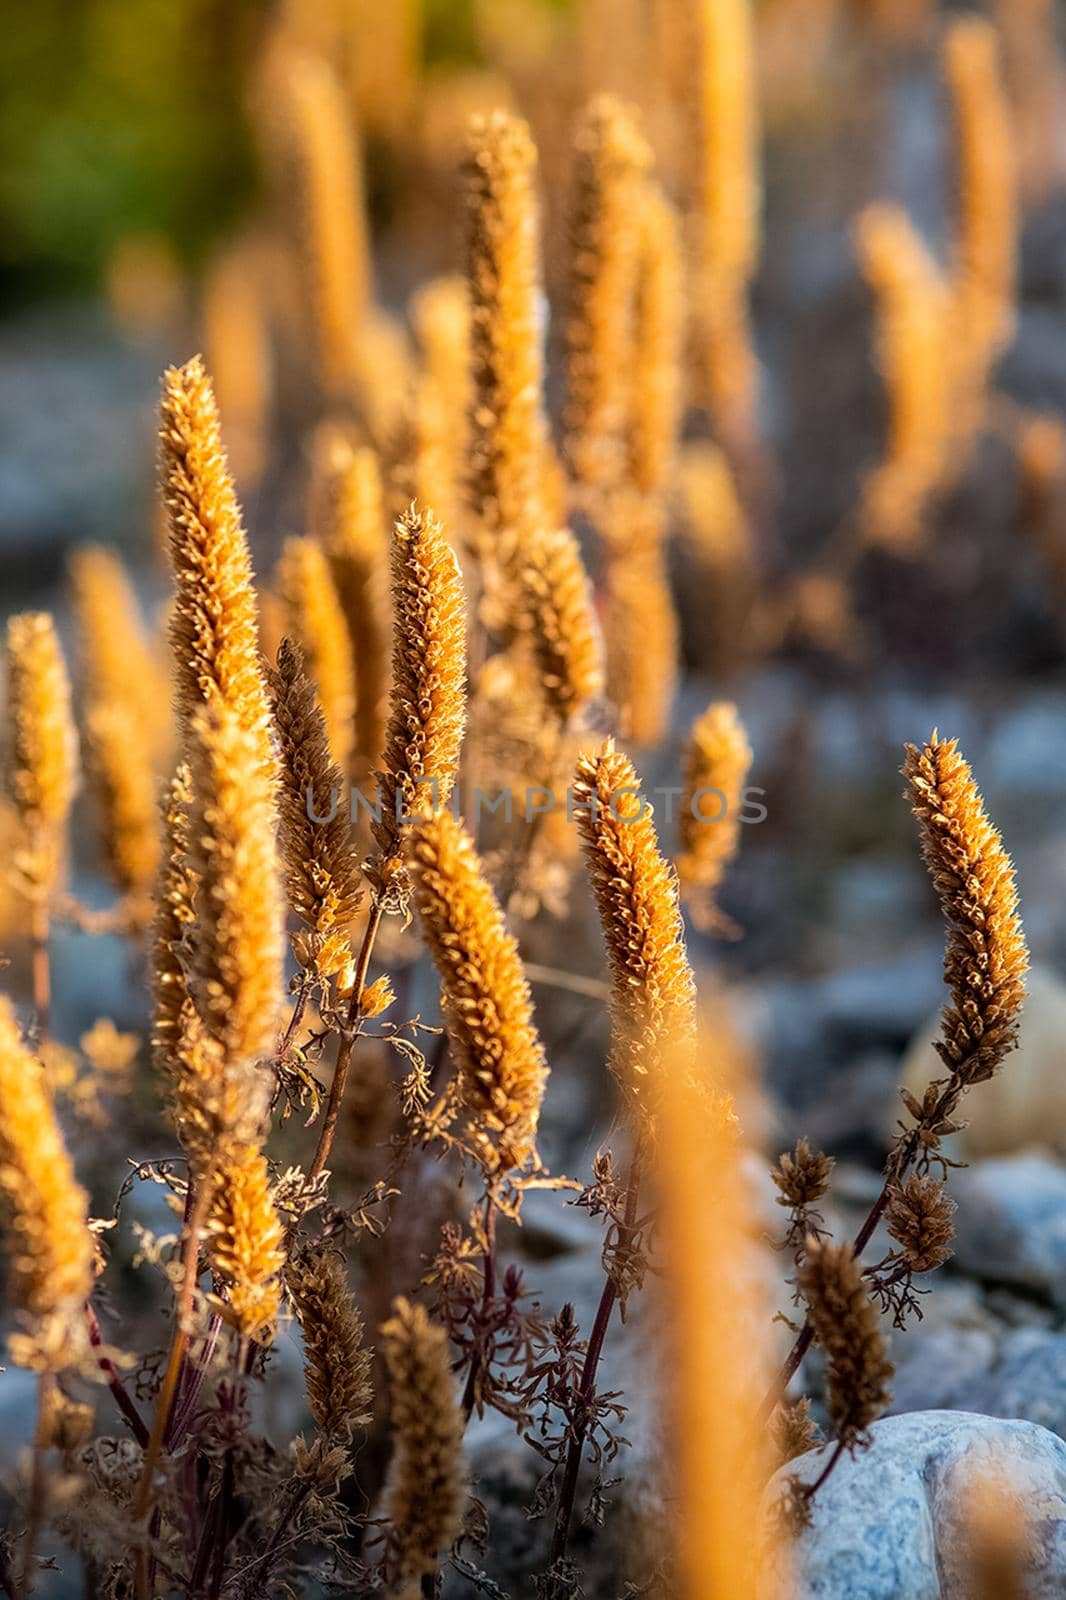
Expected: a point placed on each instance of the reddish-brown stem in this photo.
(587, 1387)
(194, 1227)
(344, 1052)
(114, 1382)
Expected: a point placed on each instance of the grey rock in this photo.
(1011, 1223)
(890, 1522)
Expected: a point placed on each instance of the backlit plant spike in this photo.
(316, 620)
(717, 759)
(42, 750)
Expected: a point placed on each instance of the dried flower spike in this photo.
(244, 1236)
(846, 1326)
(657, 345)
(316, 620)
(50, 1248)
(801, 1177)
(563, 625)
(425, 1491)
(509, 431)
(652, 988)
(336, 1360)
(986, 957)
(428, 698)
(42, 748)
(321, 863)
(235, 945)
(214, 630)
(641, 627)
(612, 157)
(488, 1009)
(716, 763)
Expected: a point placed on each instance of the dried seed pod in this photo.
(488, 1009)
(845, 1324)
(316, 620)
(425, 1491)
(919, 1217)
(986, 958)
(336, 1360)
(42, 748)
(244, 1237)
(428, 698)
(652, 988)
(50, 1248)
(717, 759)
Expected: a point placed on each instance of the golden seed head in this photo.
(565, 632)
(42, 745)
(845, 1324)
(117, 659)
(986, 958)
(657, 344)
(321, 862)
(612, 157)
(50, 1248)
(488, 1008)
(214, 628)
(653, 994)
(503, 270)
(126, 794)
(640, 629)
(716, 762)
(336, 1361)
(427, 711)
(425, 1490)
(315, 619)
(244, 1239)
(235, 945)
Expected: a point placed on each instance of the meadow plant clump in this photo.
(485, 585)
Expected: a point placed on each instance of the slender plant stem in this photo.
(114, 1382)
(587, 1387)
(40, 930)
(344, 1052)
(46, 1384)
(194, 1227)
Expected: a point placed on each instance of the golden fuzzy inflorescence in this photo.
(612, 157)
(244, 1242)
(234, 314)
(914, 336)
(725, 199)
(652, 987)
(214, 631)
(350, 521)
(656, 396)
(321, 863)
(173, 1013)
(563, 625)
(641, 626)
(440, 405)
(508, 426)
(425, 1491)
(716, 762)
(315, 619)
(845, 1324)
(50, 1248)
(336, 1360)
(986, 957)
(427, 711)
(488, 1009)
(333, 235)
(235, 945)
(986, 237)
(125, 724)
(42, 748)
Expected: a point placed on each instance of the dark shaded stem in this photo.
(114, 1382)
(344, 1052)
(587, 1387)
(194, 1227)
